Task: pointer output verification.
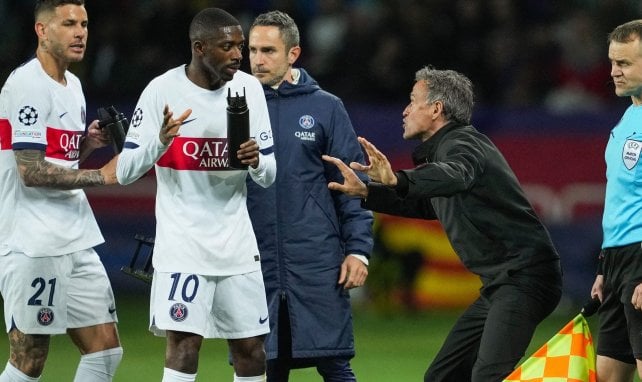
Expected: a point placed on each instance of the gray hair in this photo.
(626, 32)
(453, 89)
(283, 21)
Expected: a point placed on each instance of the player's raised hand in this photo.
(379, 169)
(170, 127)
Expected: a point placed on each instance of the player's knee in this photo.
(102, 363)
(249, 360)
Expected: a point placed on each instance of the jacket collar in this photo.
(426, 149)
(305, 85)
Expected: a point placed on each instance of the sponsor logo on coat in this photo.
(306, 121)
(631, 153)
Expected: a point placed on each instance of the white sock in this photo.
(11, 374)
(256, 378)
(99, 366)
(170, 375)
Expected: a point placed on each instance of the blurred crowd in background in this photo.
(542, 83)
(517, 52)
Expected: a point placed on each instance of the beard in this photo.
(272, 80)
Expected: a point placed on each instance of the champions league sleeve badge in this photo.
(28, 115)
(45, 316)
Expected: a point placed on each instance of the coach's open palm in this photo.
(379, 169)
(352, 185)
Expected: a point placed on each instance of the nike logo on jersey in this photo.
(262, 320)
(111, 310)
(188, 121)
(63, 114)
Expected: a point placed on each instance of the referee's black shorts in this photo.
(620, 333)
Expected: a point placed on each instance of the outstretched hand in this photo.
(352, 185)
(379, 169)
(170, 127)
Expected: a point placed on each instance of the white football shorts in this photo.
(228, 307)
(48, 295)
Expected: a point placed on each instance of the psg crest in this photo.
(178, 312)
(45, 316)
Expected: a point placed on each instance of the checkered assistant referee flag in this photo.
(567, 357)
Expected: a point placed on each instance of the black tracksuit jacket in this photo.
(463, 180)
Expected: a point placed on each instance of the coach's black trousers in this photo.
(492, 335)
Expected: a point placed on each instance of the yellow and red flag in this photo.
(567, 357)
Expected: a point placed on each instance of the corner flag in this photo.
(567, 357)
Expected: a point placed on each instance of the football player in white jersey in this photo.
(207, 274)
(51, 279)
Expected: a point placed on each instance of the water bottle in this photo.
(238, 127)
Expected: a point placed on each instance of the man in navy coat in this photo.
(314, 242)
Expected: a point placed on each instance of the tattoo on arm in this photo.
(37, 172)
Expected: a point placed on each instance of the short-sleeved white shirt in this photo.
(202, 223)
(46, 115)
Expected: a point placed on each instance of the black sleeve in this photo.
(456, 166)
(386, 200)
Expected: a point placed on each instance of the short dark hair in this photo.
(51, 5)
(285, 23)
(207, 21)
(626, 32)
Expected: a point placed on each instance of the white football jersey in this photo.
(42, 114)
(202, 223)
